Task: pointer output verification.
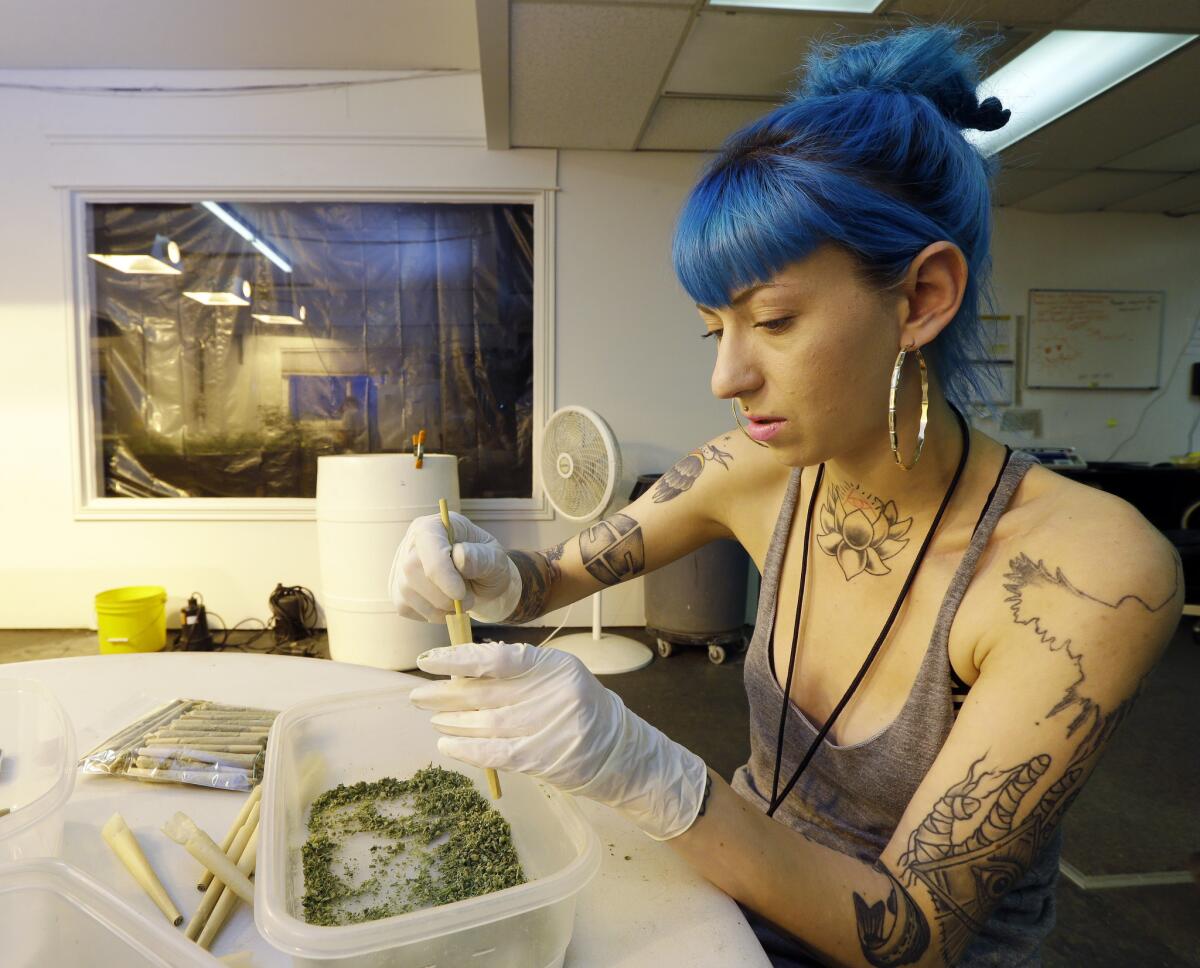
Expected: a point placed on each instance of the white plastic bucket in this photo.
(365, 503)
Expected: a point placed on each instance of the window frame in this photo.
(90, 504)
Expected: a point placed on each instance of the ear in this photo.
(933, 290)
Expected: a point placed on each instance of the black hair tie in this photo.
(988, 116)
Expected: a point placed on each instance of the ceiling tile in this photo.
(1165, 15)
(1006, 12)
(1013, 184)
(1093, 191)
(1182, 194)
(1149, 106)
(759, 53)
(697, 124)
(586, 76)
(1177, 152)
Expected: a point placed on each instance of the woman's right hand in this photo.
(428, 573)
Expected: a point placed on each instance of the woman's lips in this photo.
(763, 429)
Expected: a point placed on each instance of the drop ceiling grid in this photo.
(1181, 195)
(586, 75)
(1092, 191)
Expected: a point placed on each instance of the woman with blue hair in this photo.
(947, 634)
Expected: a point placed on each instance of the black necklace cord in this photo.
(778, 798)
(787, 689)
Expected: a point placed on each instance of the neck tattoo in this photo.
(860, 530)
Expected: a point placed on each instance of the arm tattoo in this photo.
(553, 556)
(860, 530)
(536, 573)
(613, 549)
(683, 475)
(1033, 593)
(891, 933)
(969, 851)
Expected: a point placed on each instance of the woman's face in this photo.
(809, 355)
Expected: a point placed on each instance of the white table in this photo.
(649, 910)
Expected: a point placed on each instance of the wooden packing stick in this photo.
(183, 830)
(227, 843)
(212, 893)
(459, 626)
(228, 898)
(120, 838)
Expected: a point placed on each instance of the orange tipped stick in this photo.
(419, 448)
(459, 626)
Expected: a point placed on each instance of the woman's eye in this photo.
(712, 332)
(774, 325)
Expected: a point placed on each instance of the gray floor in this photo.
(1137, 815)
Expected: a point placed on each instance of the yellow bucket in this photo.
(132, 619)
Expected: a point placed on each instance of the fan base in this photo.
(606, 656)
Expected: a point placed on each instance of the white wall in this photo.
(626, 334)
(1108, 250)
(626, 343)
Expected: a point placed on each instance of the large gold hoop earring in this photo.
(741, 427)
(892, 406)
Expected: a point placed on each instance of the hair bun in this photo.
(924, 60)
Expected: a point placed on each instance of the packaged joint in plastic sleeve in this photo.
(189, 741)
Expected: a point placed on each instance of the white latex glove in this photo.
(539, 711)
(427, 574)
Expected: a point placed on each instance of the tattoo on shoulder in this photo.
(1034, 593)
(613, 549)
(860, 530)
(685, 471)
(891, 932)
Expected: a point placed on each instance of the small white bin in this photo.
(37, 770)
(370, 735)
(52, 914)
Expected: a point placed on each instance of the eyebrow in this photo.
(745, 295)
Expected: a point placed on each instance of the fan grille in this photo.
(576, 465)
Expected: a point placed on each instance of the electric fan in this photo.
(580, 467)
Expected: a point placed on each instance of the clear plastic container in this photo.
(52, 914)
(37, 770)
(370, 735)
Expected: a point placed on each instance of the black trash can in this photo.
(700, 599)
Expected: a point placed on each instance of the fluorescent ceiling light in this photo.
(280, 312)
(238, 294)
(162, 260)
(1065, 69)
(248, 235)
(823, 6)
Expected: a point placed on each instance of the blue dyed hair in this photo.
(868, 154)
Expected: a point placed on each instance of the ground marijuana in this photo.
(428, 840)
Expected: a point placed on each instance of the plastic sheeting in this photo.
(418, 315)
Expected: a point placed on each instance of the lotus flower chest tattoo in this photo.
(861, 532)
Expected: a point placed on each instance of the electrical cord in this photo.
(293, 622)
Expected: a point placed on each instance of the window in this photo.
(232, 343)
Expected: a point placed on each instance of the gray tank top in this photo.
(851, 798)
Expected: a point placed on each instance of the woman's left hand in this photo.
(539, 711)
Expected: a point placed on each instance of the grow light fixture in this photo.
(820, 6)
(247, 234)
(163, 259)
(1063, 70)
(280, 312)
(237, 294)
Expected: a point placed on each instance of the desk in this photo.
(652, 909)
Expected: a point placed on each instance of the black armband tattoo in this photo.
(537, 574)
(707, 791)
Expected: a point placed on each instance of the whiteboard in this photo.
(1093, 338)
